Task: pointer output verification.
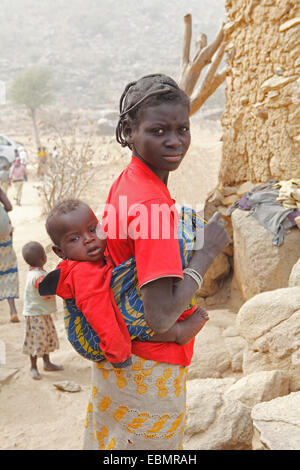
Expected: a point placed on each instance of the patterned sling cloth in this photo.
(124, 284)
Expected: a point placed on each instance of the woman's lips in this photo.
(172, 158)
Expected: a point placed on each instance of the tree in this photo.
(191, 69)
(33, 89)
(68, 174)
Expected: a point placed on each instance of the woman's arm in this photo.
(165, 299)
(5, 201)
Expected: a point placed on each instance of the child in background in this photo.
(40, 337)
(17, 175)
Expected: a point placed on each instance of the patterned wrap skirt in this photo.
(141, 407)
(40, 336)
(9, 281)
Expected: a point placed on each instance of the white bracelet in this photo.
(195, 275)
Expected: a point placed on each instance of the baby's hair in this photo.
(150, 90)
(32, 253)
(64, 207)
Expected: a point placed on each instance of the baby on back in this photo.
(84, 274)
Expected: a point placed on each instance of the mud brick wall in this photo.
(261, 122)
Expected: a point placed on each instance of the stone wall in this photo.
(261, 122)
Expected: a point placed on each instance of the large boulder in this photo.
(294, 279)
(215, 422)
(218, 349)
(259, 386)
(276, 423)
(259, 265)
(269, 322)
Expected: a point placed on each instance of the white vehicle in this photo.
(7, 150)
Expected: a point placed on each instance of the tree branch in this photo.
(187, 36)
(198, 100)
(191, 70)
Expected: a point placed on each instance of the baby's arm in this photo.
(184, 331)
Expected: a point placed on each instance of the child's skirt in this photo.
(40, 336)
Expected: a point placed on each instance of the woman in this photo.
(9, 283)
(143, 406)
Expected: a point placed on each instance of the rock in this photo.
(277, 423)
(289, 24)
(235, 346)
(67, 386)
(228, 200)
(211, 357)
(215, 422)
(218, 270)
(245, 188)
(259, 386)
(276, 82)
(294, 279)
(6, 373)
(258, 264)
(269, 322)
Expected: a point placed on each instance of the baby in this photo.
(85, 275)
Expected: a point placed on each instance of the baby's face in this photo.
(79, 240)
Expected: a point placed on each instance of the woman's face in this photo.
(161, 137)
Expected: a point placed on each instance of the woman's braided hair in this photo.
(149, 90)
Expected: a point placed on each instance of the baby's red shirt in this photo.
(89, 284)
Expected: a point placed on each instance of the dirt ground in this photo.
(35, 414)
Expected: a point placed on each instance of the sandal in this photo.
(14, 319)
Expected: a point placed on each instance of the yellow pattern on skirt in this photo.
(141, 407)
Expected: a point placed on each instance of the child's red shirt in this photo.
(89, 284)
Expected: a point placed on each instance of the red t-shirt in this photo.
(131, 210)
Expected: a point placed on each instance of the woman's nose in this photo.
(173, 140)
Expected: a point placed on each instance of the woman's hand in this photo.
(216, 237)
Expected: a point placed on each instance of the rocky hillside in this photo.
(95, 47)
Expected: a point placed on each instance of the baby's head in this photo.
(72, 227)
(34, 254)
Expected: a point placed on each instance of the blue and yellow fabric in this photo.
(127, 295)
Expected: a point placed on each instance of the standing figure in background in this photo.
(24, 159)
(9, 281)
(42, 161)
(17, 175)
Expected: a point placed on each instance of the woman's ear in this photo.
(58, 251)
(128, 131)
